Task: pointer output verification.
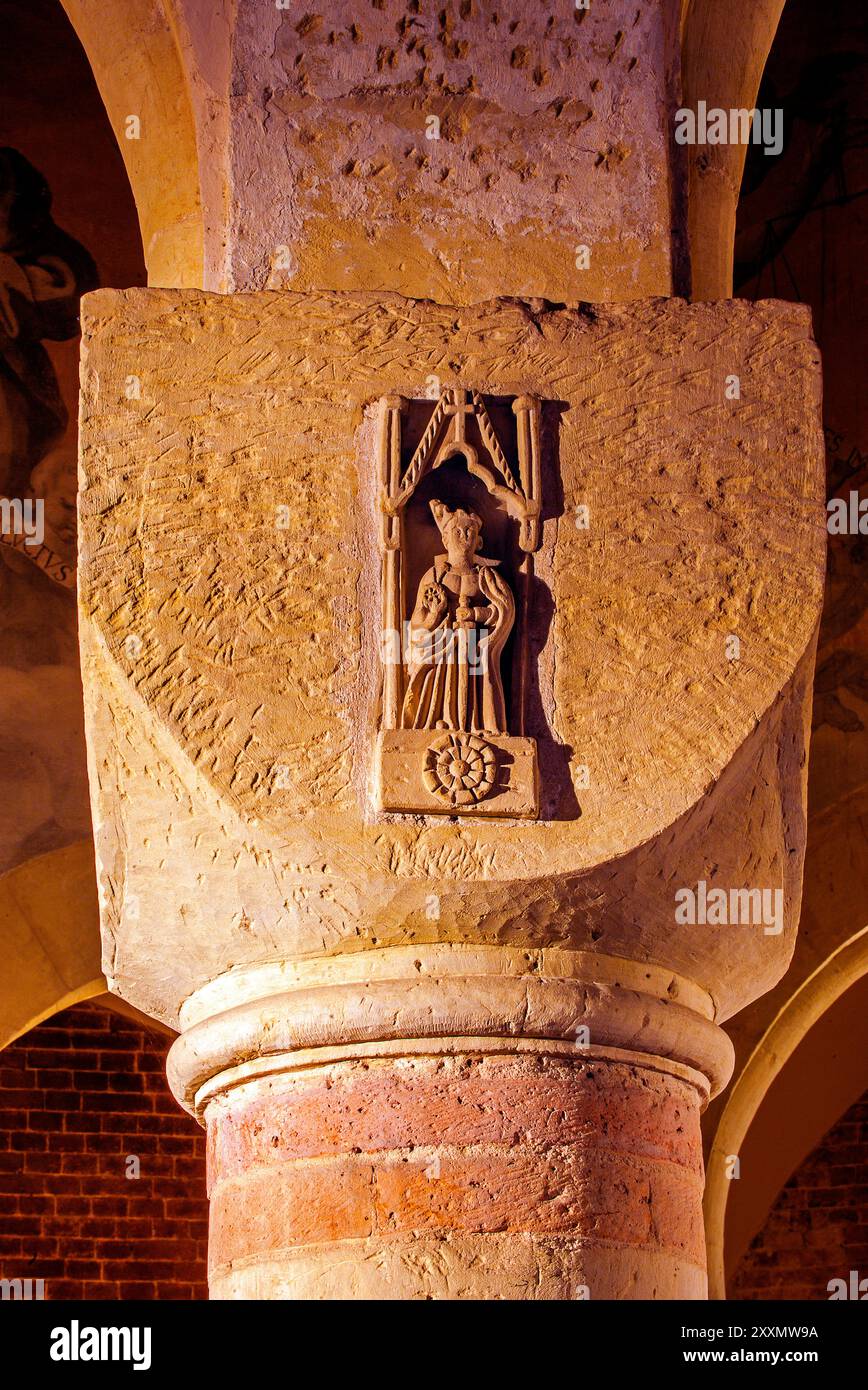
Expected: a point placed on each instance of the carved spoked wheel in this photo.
(460, 768)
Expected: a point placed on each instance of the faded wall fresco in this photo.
(43, 273)
(67, 224)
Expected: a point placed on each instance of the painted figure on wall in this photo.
(43, 273)
(462, 618)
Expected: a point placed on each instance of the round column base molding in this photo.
(444, 999)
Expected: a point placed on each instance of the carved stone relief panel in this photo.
(460, 498)
(231, 663)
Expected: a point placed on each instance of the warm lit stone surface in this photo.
(231, 667)
(251, 888)
(554, 132)
(458, 1177)
(335, 967)
(402, 996)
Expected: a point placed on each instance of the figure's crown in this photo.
(443, 516)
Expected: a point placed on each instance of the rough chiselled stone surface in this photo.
(553, 131)
(231, 666)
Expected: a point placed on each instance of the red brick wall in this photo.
(86, 1089)
(77, 1096)
(818, 1228)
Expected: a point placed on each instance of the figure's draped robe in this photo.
(453, 671)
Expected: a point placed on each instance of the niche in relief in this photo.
(460, 521)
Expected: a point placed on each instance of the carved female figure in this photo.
(463, 615)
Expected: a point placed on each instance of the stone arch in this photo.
(134, 55)
(840, 981)
(724, 52)
(49, 929)
(49, 921)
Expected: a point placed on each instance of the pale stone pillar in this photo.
(458, 1048)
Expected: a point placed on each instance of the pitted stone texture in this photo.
(554, 133)
(566, 1162)
(426, 1103)
(231, 666)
